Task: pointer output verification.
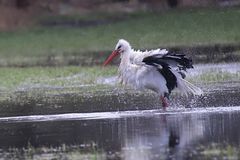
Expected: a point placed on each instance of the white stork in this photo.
(157, 70)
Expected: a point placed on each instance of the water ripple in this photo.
(117, 115)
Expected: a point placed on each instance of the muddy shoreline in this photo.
(57, 101)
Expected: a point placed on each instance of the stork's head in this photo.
(122, 47)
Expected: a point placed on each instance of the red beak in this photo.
(110, 58)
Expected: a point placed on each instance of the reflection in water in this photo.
(162, 137)
(156, 136)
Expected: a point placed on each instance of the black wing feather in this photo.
(166, 61)
(164, 70)
(178, 60)
(183, 62)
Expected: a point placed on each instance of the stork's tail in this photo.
(188, 88)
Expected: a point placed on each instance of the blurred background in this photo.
(82, 32)
(22, 13)
(51, 57)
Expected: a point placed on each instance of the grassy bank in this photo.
(17, 78)
(143, 30)
(12, 78)
(77, 152)
(65, 152)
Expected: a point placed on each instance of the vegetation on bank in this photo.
(17, 78)
(12, 78)
(50, 44)
(67, 152)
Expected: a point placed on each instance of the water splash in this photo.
(107, 80)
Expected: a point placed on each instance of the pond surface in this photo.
(151, 134)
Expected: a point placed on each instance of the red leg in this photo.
(164, 102)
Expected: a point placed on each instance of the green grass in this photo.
(213, 151)
(143, 30)
(72, 152)
(12, 78)
(215, 76)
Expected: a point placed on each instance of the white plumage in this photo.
(156, 70)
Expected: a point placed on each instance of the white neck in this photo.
(125, 57)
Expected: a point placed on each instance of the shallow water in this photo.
(221, 67)
(198, 132)
(150, 134)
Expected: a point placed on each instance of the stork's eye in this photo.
(119, 47)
